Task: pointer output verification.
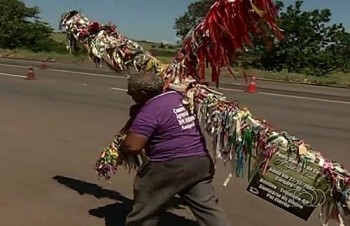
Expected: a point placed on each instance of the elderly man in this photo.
(178, 159)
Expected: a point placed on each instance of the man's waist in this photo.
(167, 157)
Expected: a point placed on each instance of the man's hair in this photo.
(150, 83)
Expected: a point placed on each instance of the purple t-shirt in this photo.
(172, 132)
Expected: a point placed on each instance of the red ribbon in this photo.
(223, 33)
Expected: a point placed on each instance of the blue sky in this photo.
(154, 19)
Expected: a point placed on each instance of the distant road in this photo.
(227, 83)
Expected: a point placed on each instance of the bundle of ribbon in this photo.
(238, 137)
(252, 144)
(225, 31)
(110, 159)
(105, 42)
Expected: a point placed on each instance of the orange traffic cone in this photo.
(30, 74)
(252, 86)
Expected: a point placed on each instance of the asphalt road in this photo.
(53, 128)
(226, 82)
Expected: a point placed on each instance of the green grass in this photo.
(42, 56)
(338, 79)
(59, 37)
(334, 79)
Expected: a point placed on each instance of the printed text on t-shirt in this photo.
(185, 120)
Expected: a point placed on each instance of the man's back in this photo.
(172, 132)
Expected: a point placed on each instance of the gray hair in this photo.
(150, 83)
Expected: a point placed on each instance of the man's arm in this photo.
(133, 143)
(132, 114)
(139, 132)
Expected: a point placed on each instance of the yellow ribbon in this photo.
(261, 13)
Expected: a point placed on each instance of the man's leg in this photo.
(204, 204)
(156, 183)
(152, 191)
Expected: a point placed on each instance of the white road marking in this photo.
(292, 96)
(67, 71)
(306, 98)
(33, 61)
(85, 73)
(119, 89)
(13, 75)
(17, 66)
(233, 90)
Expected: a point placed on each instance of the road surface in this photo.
(226, 82)
(53, 128)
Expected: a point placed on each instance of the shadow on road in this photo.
(115, 214)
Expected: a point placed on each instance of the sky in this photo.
(153, 20)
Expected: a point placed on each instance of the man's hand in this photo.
(123, 137)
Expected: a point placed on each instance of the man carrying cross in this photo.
(178, 159)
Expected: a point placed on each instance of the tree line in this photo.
(312, 45)
(22, 28)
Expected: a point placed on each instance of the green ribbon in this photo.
(245, 145)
